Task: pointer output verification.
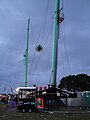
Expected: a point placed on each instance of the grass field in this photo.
(62, 114)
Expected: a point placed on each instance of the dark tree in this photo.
(80, 82)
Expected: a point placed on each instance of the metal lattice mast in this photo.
(26, 54)
(55, 44)
(57, 20)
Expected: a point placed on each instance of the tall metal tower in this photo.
(57, 19)
(26, 54)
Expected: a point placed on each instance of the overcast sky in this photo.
(74, 39)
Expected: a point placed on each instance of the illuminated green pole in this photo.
(55, 43)
(26, 54)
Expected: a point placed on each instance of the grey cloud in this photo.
(13, 25)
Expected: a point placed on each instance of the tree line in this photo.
(80, 82)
